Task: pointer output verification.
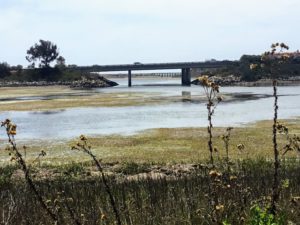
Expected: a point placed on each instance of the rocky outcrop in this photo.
(32, 83)
(93, 82)
(220, 80)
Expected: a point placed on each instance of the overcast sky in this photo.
(125, 31)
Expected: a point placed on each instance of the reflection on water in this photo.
(48, 97)
(186, 96)
(47, 112)
(70, 123)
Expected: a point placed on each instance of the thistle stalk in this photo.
(273, 59)
(209, 129)
(211, 91)
(275, 188)
(87, 149)
(11, 131)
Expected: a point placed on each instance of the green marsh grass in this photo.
(175, 145)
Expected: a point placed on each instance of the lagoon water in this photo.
(70, 123)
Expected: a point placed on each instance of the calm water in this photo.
(71, 123)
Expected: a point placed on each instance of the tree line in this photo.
(243, 68)
(42, 54)
(41, 57)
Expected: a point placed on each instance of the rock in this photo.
(32, 83)
(221, 80)
(93, 82)
(88, 81)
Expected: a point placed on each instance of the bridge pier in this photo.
(129, 78)
(186, 77)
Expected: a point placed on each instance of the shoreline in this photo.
(224, 83)
(267, 83)
(167, 145)
(57, 97)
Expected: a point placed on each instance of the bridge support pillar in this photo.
(129, 78)
(186, 77)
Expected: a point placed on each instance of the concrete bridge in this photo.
(184, 66)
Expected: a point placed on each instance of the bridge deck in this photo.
(154, 66)
(185, 68)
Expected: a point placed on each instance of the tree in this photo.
(244, 67)
(4, 70)
(44, 51)
(17, 67)
(60, 62)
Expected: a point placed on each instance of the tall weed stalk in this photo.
(84, 147)
(17, 156)
(272, 60)
(211, 90)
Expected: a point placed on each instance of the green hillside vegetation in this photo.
(290, 68)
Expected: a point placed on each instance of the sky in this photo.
(89, 32)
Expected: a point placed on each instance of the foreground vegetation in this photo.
(164, 200)
(157, 177)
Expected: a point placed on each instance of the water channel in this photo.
(252, 104)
